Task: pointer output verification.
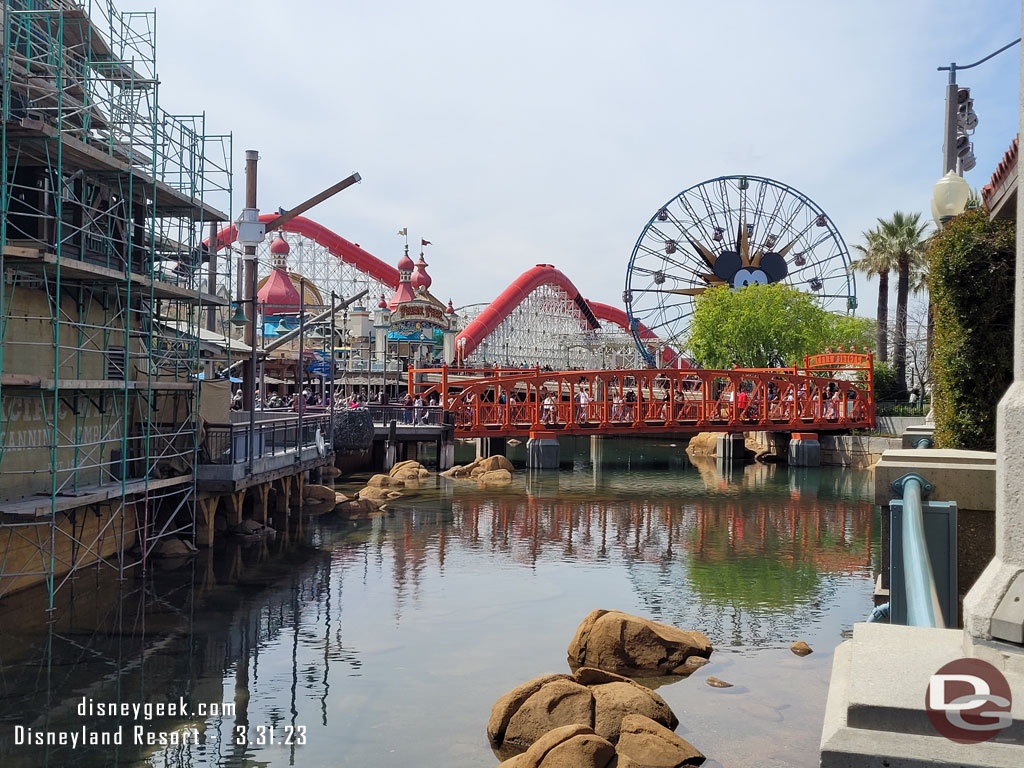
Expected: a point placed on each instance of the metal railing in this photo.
(427, 415)
(229, 443)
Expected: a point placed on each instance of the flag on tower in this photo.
(424, 242)
(404, 231)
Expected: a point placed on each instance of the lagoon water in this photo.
(385, 641)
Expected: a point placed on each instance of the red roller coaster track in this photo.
(489, 319)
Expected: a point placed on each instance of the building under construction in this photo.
(104, 201)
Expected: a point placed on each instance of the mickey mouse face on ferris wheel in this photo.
(764, 268)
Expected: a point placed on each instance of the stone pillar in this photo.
(541, 451)
(445, 454)
(804, 450)
(994, 608)
(596, 456)
(731, 447)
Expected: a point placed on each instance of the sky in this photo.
(514, 134)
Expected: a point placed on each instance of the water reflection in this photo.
(388, 638)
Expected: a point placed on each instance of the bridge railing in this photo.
(830, 393)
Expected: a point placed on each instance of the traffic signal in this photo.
(966, 118)
(966, 122)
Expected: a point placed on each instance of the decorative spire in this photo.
(450, 310)
(279, 252)
(420, 278)
(383, 304)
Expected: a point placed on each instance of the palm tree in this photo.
(873, 262)
(901, 240)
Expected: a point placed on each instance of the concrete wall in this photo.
(897, 425)
(855, 451)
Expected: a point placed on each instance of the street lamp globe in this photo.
(950, 196)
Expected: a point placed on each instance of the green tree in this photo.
(902, 242)
(875, 263)
(971, 275)
(767, 326)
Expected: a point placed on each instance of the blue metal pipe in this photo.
(922, 599)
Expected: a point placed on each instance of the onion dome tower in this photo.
(404, 292)
(278, 293)
(420, 278)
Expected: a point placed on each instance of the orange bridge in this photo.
(831, 392)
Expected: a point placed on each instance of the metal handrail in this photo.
(923, 608)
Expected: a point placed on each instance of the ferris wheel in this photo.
(735, 231)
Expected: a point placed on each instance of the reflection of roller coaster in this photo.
(831, 392)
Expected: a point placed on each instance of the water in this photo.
(384, 642)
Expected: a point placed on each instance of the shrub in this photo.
(971, 266)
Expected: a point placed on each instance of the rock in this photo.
(356, 507)
(703, 444)
(408, 470)
(559, 702)
(329, 473)
(448, 472)
(495, 477)
(570, 746)
(647, 743)
(492, 463)
(340, 497)
(619, 642)
(800, 648)
(613, 701)
(252, 529)
(318, 494)
(507, 705)
(395, 495)
(691, 665)
(173, 547)
(385, 481)
(592, 697)
(513, 441)
(714, 682)
(373, 493)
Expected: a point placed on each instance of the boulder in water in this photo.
(619, 642)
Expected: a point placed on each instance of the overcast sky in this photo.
(549, 132)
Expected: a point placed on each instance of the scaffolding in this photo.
(103, 200)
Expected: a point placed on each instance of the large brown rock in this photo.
(318, 494)
(613, 701)
(509, 704)
(570, 746)
(492, 463)
(646, 743)
(495, 477)
(408, 470)
(591, 697)
(357, 507)
(619, 642)
(559, 702)
(373, 493)
(385, 481)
